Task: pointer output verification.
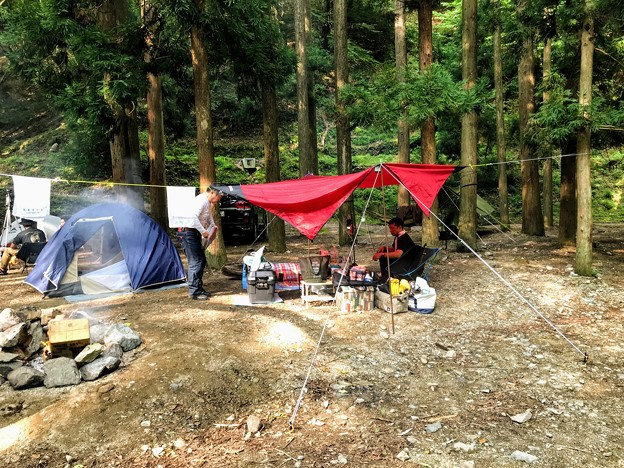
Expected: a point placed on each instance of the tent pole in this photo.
(383, 202)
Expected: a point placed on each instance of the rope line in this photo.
(291, 422)
(129, 184)
(507, 283)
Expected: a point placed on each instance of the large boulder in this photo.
(122, 335)
(61, 372)
(25, 377)
(13, 335)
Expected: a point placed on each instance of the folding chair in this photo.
(29, 252)
(422, 264)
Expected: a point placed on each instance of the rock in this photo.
(7, 367)
(60, 372)
(94, 370)
(114, 350)
(403, 455)
(8, 357)
(29, 314)
(89, 353)
(25, 377)
(8, 318)
(54, 148)
(49, 314)
(13, 335)
(35, 333)
(523, 456)
(122, 335)
(435, 427)
(253, 423)
(522, 417)
(342, 460)
(97, 332)
(461, 447)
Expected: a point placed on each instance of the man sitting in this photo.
(403, 255)
(29, 234)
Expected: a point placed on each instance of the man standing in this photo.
(402, 255)
(29, 234)
(196, 238)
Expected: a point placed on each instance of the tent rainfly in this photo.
(106, 248)
(309, 202)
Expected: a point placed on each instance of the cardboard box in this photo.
(399, 303)
(68, 335)
(355, 298)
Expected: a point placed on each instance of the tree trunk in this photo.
(503, 201)
(303, 117)
(468, 177)
(403, 133)
(343, 132)
(123, 144)
(532, 219)
(567, 195)
(156, 150)
(547, 165)
(276, 229)
(583, 261)
(311, 95)
(216, 255)
(155, 125)
(430, 231)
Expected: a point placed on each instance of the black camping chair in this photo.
(422, 264)
(29, 252)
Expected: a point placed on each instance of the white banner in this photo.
(180, 206)
(32, 197)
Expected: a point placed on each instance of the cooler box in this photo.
(261, 286)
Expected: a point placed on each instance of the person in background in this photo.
(29, 234)
(195, 240)
(402, 254)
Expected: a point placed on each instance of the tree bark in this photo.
(276, 228)
(468, 177)
(156, 150)
(532, 219)
(503, 198)
(583, 260)
(303, 117)
(216, 255)
(343, 132)
(567, 195)
(430, 231)
(155, 126)
(547, 175)
(403, 132)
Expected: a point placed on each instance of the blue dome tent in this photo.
(106, 248)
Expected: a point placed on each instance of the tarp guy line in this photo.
(291, 423)
(484, 217)
(510, 286)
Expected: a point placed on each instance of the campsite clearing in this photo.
(480, 379)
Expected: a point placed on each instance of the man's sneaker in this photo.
(3, 272)
(201, 297)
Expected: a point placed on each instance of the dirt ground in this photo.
(436, 390)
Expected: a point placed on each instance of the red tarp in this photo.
(308, 203)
